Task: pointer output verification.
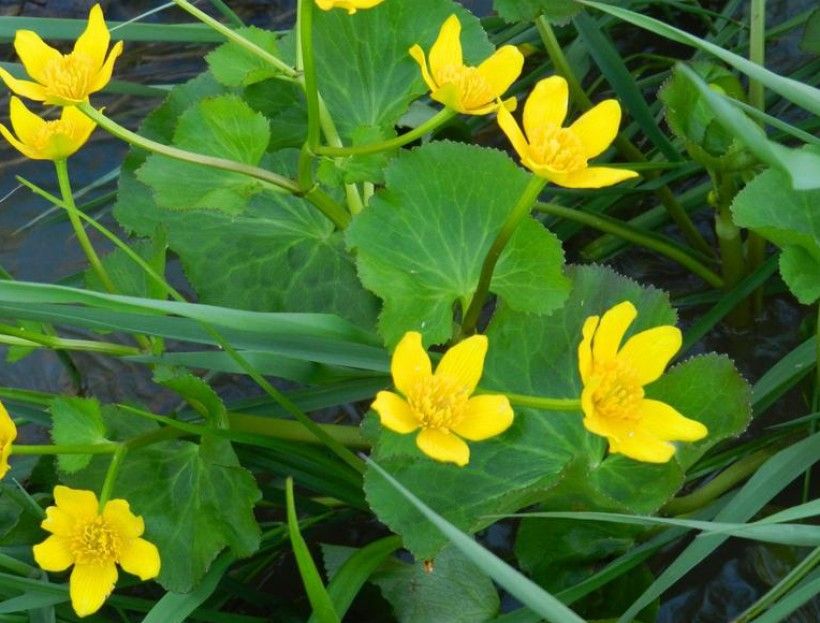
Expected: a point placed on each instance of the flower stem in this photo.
(111, 474)
(546, 404)
(93, 448)
(71, 209)
(304, 18)
(437, 120)
(23, 337)
(519, 212)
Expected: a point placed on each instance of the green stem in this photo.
(636, 236)
(434, 122)
(289, 430)
(71, 209)
(229, 34)
(543, 403)
(229, 14)
(132, 138)
(519, 212)
(24, 337)
(732, 256)
(111, 474)
(624, 146)
(354, 198)
(94, 448)
(328, 207)
(304, 17)
(15, 566)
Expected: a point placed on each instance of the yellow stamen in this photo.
(559, 148)
(94, 542)
(438, 402)
(473, 88)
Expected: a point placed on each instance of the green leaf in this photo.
(366, 74)
(195, 391)
(420, 594)
(76, 421)
(421, 243)
(556, 11)
(234, 66)
(791, 220)
(126, 274)
(810, 42)
(548, 456)
(225, 127)
(10, 509)
(283, 103)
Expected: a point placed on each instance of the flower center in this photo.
(50, 131)
(557, 147)
(618, 392)
(438, 402)
(95, 542)
(474, 89)
(69, 76)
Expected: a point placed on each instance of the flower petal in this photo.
(77, 503)
(30, 90)
(446, 51)
(592, 177)
(58, 522)
(95, 39)
(53, 554)
(666, 423)
(546, 105)
(103, 77)
(485, 417)
(443, 446)
(395, 413)
(510, 127)
(585, 347)
(502, 69)
(643, 447)
(141, 558)
(611, 330)
(118, 516)
(34, 53)
(27, 151)
(649, 352)
(82, 126)
(90, 585)
(410, 364)
(450, 95)
(598, 127)
(418, 55)
(464, 363)
(26, 125)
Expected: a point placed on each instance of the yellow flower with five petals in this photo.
(95, 543)
(47, 140)
(560, 154)
(8, 433)
(65, 79)
(440, 403)
(614, 377)
(466, 89)
(351, 5)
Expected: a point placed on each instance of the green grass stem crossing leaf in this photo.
(556, 11)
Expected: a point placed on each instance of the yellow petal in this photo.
(24, 149)
(410, 364)
(649, 352)
(446, 51)
(34, 53)
(443, 446)
(95, 39)
(502, 69)
(54, 554)
(31, 90)
(485, 417)
(141, 558)
(5, 452)
(78, 503)
(395, 413)
(510, 127)
(58, 522)
(82, 126)
(546, 105)
(611, 330)
(598, 127)
(463, 364)
(27, 126)
(511, 104)
(103, 77)
(90, 585)
(585, 347)
(592, 177)
(592, 421)
(666, 423)
(643, 447)
(418, 55)
(450, 96)
(118, 516)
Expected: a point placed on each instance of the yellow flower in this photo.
(94, 543)
(468, 90)
(8, 433)
(561, 154)
(614, 377)
(440, 404)
(47, 140)
(65, 79)
(351, 5)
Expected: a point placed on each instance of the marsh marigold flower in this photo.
(351, 5)
(440, 404)
(47, 140)
(560, 154)
(8, 433)
(65, 79)
(614, 377)
(95, 543)
(468, 90)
